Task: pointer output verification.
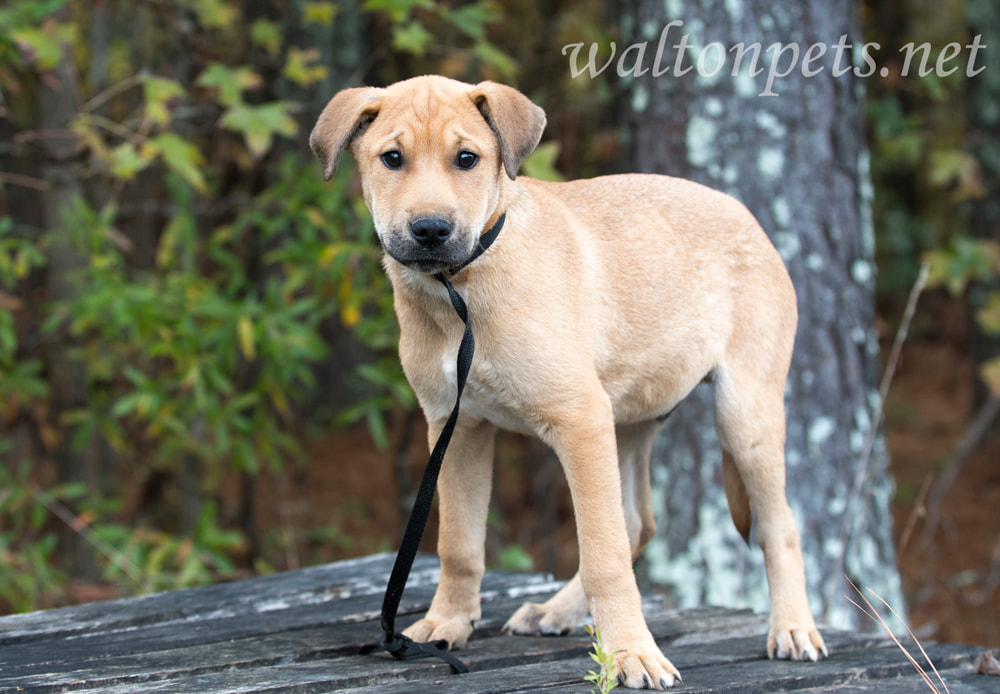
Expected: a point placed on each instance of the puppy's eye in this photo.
(392, 159)
(466, 160)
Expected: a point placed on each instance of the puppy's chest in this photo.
(487, 396)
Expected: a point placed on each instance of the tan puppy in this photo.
(601, 305)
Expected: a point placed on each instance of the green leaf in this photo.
(377, 428)
(989, 315)
(158, 91)
(963, 260)
(180, 156)
(267, 35)
(515, 558)
(45, 45)
(472, 19)
(214, 14)
(541, 163)
(990, 372)
(176, 239)
(229, 82)
(299, 67)
(494, 57)
(248, 344)
(398, 10)
(260, 123)
(411, 38)
(126, 161)
(128, 404)
(319, 13)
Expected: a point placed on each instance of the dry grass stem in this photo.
(854, 511)
(919, 511)
(81, 527)
(873, 614)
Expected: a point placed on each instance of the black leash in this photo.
(396, 644)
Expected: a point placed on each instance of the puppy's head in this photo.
(432, 153)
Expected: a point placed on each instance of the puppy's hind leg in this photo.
(750, 418)
(567, 608)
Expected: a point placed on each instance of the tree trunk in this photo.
(58, 102)
(797, 159)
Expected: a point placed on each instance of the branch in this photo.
(80, 526)
(111, 92)
(22, 180)
(966, 445)
(852, 515)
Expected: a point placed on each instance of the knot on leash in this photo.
(403, 647)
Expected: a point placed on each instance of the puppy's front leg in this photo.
(584, 439)
(464, 499)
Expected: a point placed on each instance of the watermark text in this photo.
(779, 59)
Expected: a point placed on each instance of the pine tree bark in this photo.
(798, 161)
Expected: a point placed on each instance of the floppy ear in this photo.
(517, 122)
(347, 115)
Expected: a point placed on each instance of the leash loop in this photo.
(396, 644)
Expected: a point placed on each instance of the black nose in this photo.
(430, 232)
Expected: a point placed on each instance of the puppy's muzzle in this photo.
(431, 232)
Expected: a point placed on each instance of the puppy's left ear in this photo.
(346, 117)
(517, 122)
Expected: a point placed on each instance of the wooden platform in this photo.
(299, 632)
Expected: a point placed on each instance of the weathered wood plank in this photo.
(299, 633)
(964, 684)
(735, 667)
(135, 657)
(318, 585)
(303, 632)
(311, 586)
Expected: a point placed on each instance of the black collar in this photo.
(485, 241)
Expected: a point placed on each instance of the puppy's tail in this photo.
(736, 494)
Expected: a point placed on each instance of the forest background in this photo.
(198, 375)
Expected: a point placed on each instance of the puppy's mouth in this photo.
(424, 260)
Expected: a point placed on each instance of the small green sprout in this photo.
(605, 679)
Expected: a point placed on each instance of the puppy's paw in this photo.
(455, 630)
(645, 668)
(533, 619)
(796, 643)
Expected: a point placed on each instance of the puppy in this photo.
(600, 306)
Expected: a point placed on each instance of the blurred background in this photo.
(198, 369)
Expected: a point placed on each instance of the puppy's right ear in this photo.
(348, 114)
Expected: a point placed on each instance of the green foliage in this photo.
(604, 678)
(420, 25)
(21, 381)
(30, 37)
(259, 124)
(963, 261)
(920, 167)
(319, 13)
(514, 557)
(197, 340)
(924, 170)
(230, 82)
(541, 163)
(28, 570)
(164, 561)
